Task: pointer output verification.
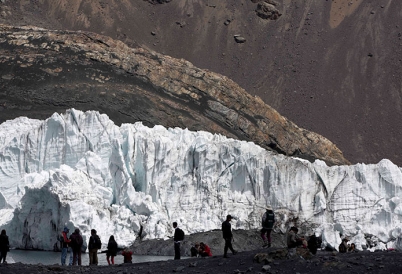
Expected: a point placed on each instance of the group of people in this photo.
(344, 247)
(75, 242)
(200, 250)
(268, 220)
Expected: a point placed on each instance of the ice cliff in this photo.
(131, 181)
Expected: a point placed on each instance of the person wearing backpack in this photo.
(93, 245)
(65, 246)
(268, 221)
(178, 237)
(111, 250)
(76, 245)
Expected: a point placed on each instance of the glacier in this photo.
(81, 170)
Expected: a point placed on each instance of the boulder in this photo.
(267, 11)
(239, 39)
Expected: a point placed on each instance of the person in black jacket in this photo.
(228, 236)
(111, 250)
(4, 246)
(177, 238)
(76, 245)
(312, 244)
(93, 245)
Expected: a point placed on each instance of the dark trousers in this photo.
(93, 256)
(3, 256)
(77, 256)
(177, 250)
(266, 231)
(228, 245)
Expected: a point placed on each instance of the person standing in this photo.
(178, 237)
(4, 246)
(268, 221)
(93, 246)
(111, 250)
(312, 244)
(76, 245)
(343, 247)
(65, 246)
(228, 236)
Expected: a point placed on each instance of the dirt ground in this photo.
(252, 258)
(243, 262)
(244, 240)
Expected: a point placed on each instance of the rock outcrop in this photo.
(45, 71)
(332, 67)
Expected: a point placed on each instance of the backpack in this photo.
(180, 234)
(268, 219)
(98, 243)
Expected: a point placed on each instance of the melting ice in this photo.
(131, 181)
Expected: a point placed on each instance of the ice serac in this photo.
(80, 169)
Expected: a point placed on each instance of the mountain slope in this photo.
(333, 67)
(48, 71)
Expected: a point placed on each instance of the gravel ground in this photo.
(272, 260)
(243, 262)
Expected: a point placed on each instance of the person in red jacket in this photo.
(128, 256)
(65, 247)
(205, 251)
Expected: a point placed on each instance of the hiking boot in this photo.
(234, 252)
(264, 245)
(225, 256)
(269, 244)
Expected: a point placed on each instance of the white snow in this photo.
(81, 170)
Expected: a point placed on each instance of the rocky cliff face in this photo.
(45, 71)
(333, 67)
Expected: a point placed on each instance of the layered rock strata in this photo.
(45, 71)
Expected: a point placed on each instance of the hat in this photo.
(346, 239)
(66, 229)
(229, 216)
(269, 207)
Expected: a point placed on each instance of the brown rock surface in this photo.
(46, 71)
(332, 67)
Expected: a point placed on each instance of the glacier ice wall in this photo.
(82, 170)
